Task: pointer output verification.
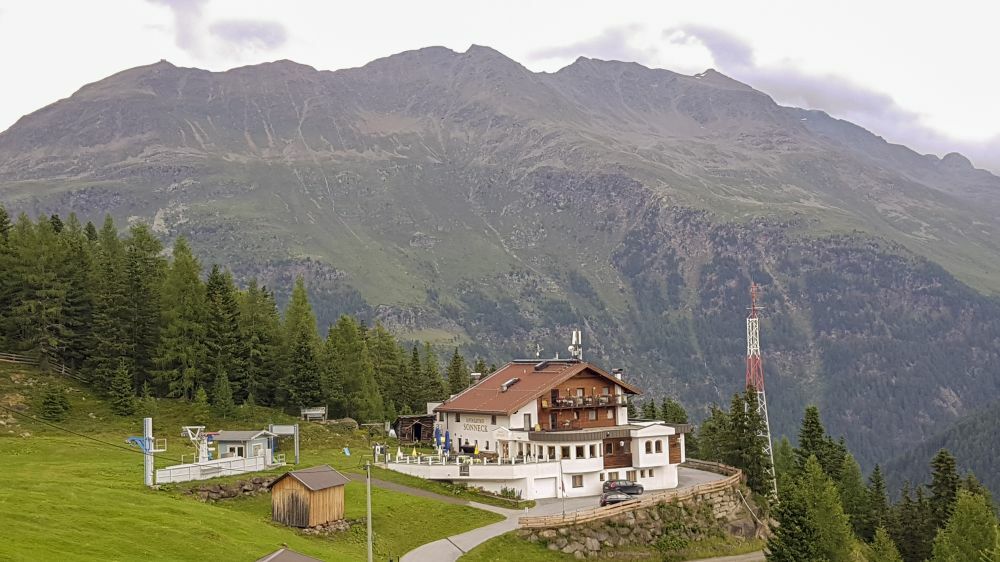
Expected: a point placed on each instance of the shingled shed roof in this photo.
(242, 435)
(496, 395)
(315, 478)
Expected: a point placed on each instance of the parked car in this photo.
(611, 498)
(626, 486)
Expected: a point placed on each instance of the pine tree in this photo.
(671, 411)
(56, 222)
(147, 402)
(387, 361)
(4, 224)
(854, 498)
(970, 532)
(90, 232)
(796, 539)
(883, 549)
(826, 513)
(912, 527)
(55, 405)
(144, 271)
(222, 396)
(944, 487)
(812, 437)
(458, 374)
(302, 350)
(631, 411)
(199, 411)
(878, 499)
(78, 307)
(180, 354)
(390, 412)
(353, 363)
(433, 386)
(714, 435)
(122, 393)
(109, 315)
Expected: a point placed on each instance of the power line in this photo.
(85, 436)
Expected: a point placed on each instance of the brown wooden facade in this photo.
(414, 429)
(295, 505)
(584, 401)
(617, 452)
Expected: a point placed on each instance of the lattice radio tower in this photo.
(755, 380)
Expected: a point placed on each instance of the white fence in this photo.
(210, 469)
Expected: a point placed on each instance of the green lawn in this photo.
(66, 498)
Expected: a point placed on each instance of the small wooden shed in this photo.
(308, 497)
(415, 428)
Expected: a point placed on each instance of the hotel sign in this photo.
(474, 424)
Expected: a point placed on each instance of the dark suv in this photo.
(627, 486)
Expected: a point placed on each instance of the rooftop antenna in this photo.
(755, 381)
(576, 348)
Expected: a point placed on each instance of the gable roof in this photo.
(534, 379)
(242, 435)
(315, 478)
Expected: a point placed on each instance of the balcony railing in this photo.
(571, 402)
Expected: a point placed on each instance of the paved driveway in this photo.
(451, 548)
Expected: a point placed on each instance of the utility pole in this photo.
(368, 481)
(755, 381)
(148, 446)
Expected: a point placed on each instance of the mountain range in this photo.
(464, 199)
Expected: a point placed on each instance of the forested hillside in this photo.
(462, 199)
(132, 322)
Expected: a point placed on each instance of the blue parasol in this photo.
(447, 441)
(437, 437)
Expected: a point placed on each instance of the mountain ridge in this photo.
(463, 198)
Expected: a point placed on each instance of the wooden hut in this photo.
(415, 428)
(308, 497)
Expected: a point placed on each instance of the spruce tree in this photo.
(199, 411)
(784, 464)
(90, 232)
(223, 346)
(78, 307)
(714, 435)
(631, 410)
(649, 410)
(109, 337)
(122, 391)
(812, 437)
(356, 372)
(671, 411)
(55, 405)
(480, 367)
(878, 499)
(433, 386)
(883, 549)
(147, 402)
(411, 386)
(387, 361)
(144, 271)
(5, 224)
(796, 538)
(222, 396)
(944, 487)
(970, 533)
(180, 353)
(826, 513)
(854, 499)
(261, 334)
(302, 350)
(56, 222)
(458, 374)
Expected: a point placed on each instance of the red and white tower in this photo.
(755, 380)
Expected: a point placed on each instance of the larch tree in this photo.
(970, 533)
(883, 549)
(824, 509)
(854, 498)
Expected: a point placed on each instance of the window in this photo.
(578, 481)
(493, 420)
(458, 417)
(576, 415)
(591, 415)
(579, 392)
(611, 414)
(564, 452)
(487, 445)
(593, 451)
(609, 448)
(552, 452)
(642, 474)
(527, 421)
(440, 416)
(627, 447)
(579, 451)
(630, 475)
(650, 472)
(649, 447)
(601, 476)
(659, 446)
(606, 390)
(613, 475)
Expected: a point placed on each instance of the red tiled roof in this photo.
(487, 397)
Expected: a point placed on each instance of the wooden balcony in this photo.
(574, 402)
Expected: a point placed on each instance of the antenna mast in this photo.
(755, 381)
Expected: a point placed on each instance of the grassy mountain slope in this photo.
(68, 498)
(461, 196)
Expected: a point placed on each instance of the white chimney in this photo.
(617, 373)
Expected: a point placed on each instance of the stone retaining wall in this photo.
(248, 487)
(700, 516)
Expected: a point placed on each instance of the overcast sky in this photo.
(918, 73)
